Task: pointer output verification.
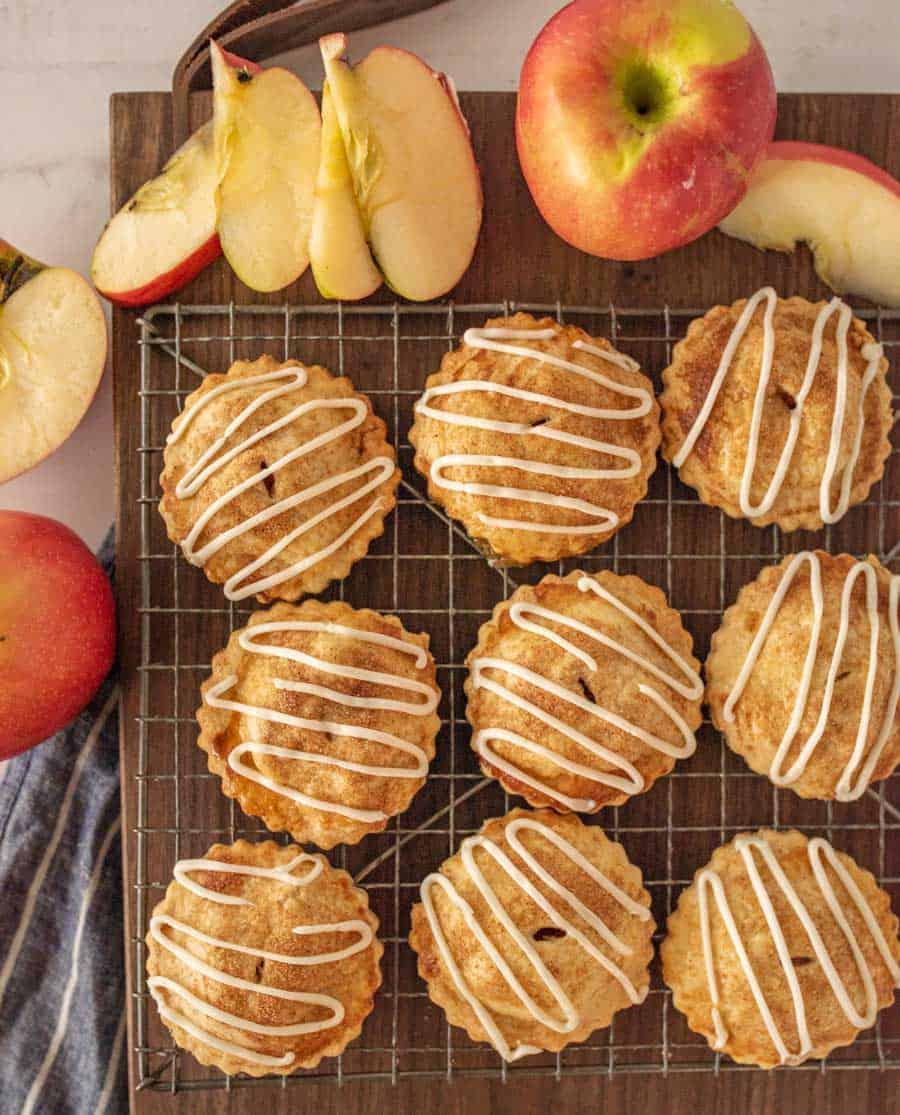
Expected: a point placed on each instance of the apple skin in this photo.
(800, 151)
(170, 281)
(625, 185)
(57, 628)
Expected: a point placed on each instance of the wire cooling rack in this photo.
(425, 570)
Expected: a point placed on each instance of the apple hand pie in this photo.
(262, 958)
(534, 934)
(277, 478)
(778, 410)
(539, 438)
(803, 676)
(582, 691)
(781, 949)
(321, 720)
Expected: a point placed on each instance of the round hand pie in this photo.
(321, 719)
(804, 674)
(538, 437)
(778, 410)
(277, 477)
(534, 934)
(262, 958)
(583, 691)
(781, 949)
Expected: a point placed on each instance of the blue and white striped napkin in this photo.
(62, 987)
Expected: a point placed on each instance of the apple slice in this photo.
(267, 138)
(410, 157)
(52, 353)
(846, 209)
(342, 264)
(166, 234)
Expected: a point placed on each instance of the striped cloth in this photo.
(62, 990)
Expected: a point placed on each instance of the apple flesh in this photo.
(52, 354)
(639, 123)
(342, 264)
(267, 139)
(166, 234)
(844, 207)
(57, 628)
(414, 174)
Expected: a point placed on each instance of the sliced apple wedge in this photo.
(52, 353)
(410, 157)
(166, 234)
(267, 138)
(846, 209)
(342, 264)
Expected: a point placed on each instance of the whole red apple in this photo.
(640, 122)
(57, 628)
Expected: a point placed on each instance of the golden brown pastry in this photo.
(804, 674)
(534, 934)
(778, 410)
(781, 949)
(583, 691)
(539, 438)
(321, 719)
(262, 958)
(277, 477)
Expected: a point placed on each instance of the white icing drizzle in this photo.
(571, 1019)
(241, 584)
(845, 790)
(493, 339)
(817, 848)
(871, 352)
(424, 705)
(631, 781)
(158, 923)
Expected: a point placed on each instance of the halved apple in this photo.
(52, 353)
(166, 234)
(342, 264)
(267, 138)
(414, 173)
(846, 208)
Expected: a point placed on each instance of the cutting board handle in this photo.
(259, 29)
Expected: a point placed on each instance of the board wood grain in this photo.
(518, 258)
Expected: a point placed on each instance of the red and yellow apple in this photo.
(846, 208)
(57, 628)
(52, 354)
(267, 134)
(166, 234)
(640, 122)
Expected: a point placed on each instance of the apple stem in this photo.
(15, 270)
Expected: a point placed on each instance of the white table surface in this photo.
(61, 60)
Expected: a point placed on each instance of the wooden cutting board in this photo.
(518, 259)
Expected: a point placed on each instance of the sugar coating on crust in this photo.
(762, 713)
(352, 450)
(265, 921)
(715, 466)
(605, 681)
(222, 730)
(593, 992)
(433, 439)
(745, 1036)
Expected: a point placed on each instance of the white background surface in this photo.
(61, 59)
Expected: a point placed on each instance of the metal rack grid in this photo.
(698, 555)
